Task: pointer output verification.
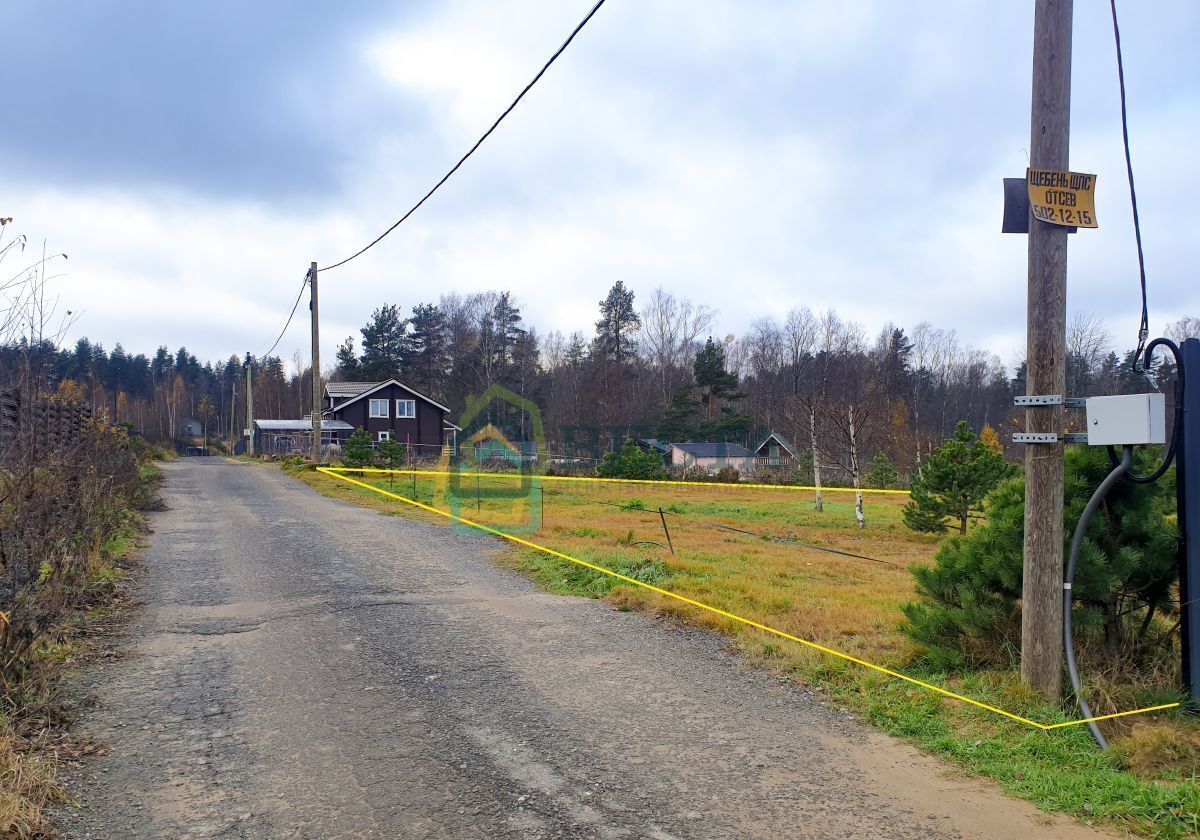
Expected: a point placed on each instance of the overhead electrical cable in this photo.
(1144, 326)
(478, 142)
(291, 315)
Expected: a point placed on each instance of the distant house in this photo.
(653, 445)
(775, 453)
(391, 410)
(712, 456)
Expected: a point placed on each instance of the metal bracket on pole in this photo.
(1038, 399)
(1075, 437)
(1035, 437)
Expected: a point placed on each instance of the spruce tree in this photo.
(430, 355)
(953, 483)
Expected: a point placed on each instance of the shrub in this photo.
(953, 483)
(632, 462)
(882, 474)
(391, 454)
(968, 611)
(728, 475)
(358, 452)
(62, 496)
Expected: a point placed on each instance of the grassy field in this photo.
(783, 574)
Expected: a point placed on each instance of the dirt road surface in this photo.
(304, 668)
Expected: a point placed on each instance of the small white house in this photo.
(712, 457)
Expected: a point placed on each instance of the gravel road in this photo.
(304, 668)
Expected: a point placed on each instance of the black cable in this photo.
(1175, 426)
(291, 315)
(1076, 544)
(478, 142)
(1144, 327)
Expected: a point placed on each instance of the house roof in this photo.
(655, 443)
(713, 450)
(302, 425)
(780, 439)
(373, 387)
(347, 389)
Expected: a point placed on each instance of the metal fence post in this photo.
(1187, 497)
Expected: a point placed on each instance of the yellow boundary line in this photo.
(336, 473)
(744, 486)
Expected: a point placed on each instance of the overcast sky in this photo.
(192, 158)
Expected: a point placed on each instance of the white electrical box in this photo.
(1126, 419)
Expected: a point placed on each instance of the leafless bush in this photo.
(68, 481)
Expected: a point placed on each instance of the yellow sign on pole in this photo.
(1062, 198)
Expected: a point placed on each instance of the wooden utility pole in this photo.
(316, 363)
(1041, 596)
(249, 405)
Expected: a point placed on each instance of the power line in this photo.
(291, 315)
(1144, 326)
(478, 142)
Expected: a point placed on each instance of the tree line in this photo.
(841, 396)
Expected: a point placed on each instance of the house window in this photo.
(382, 436)
(406, 408)
(379, 408)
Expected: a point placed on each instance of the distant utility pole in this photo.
(1041, 596)
(249, 405)
(316, 363)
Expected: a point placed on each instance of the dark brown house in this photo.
(392, 410)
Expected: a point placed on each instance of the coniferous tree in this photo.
(969, 601)
(430, 348)
(679, 419)
(385, 344)
(357, 451)
(954, 481)
(618, 325)
(713, 380)
(347, 360)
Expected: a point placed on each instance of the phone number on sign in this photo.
(1062, 216)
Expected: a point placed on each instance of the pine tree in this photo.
(969, 601)
(618, 325)
(678, 423)
(953, 483)
(391, 454)
(347, 360)
(882, 474)
(358, 452)
(385, 345)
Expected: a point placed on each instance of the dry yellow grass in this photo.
(28, 783)
(779, 579)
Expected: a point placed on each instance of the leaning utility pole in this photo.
(316, 363)
(249, 405)
(1041, 595)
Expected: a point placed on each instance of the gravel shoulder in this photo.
(306, 668)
